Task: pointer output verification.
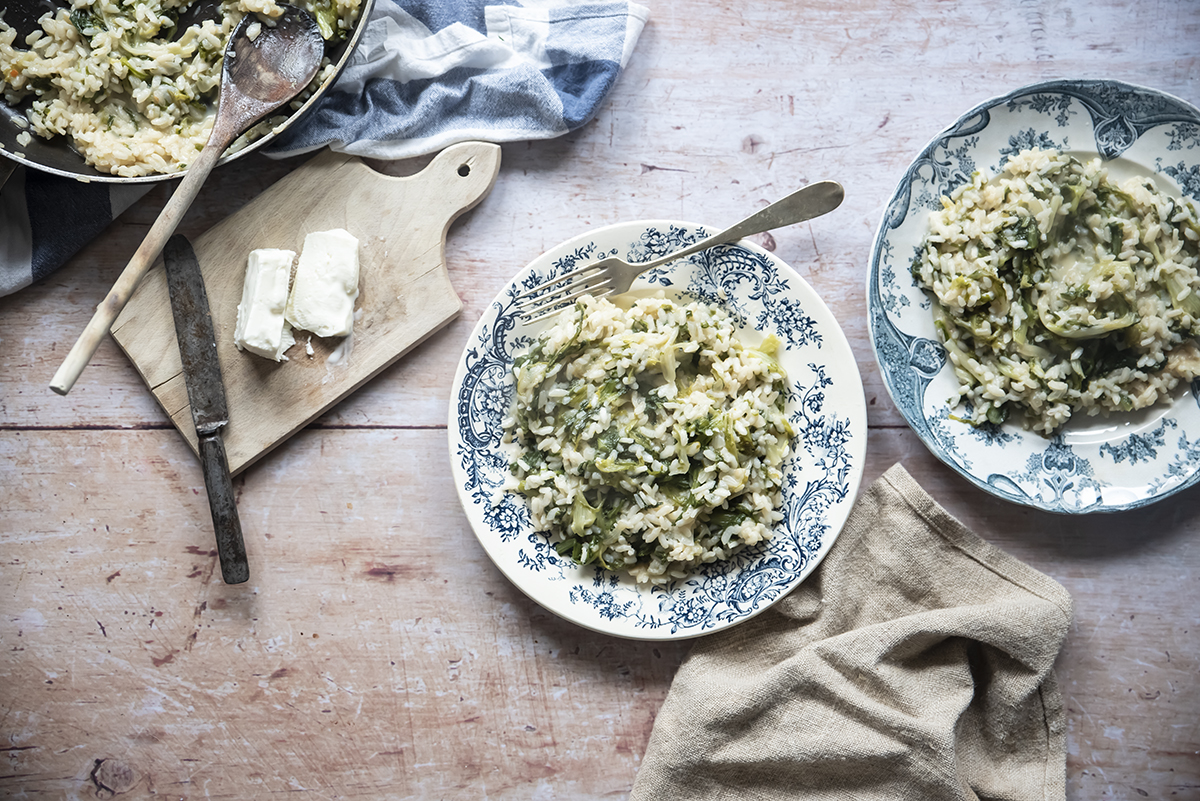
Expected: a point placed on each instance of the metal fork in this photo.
(612, 276)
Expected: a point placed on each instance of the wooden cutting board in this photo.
(404, 290)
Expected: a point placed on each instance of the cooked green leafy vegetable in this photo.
(649, 439)
(1057, 290)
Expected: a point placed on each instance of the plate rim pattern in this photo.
(1120, 114)
(758, 289)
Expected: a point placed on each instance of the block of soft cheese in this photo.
(261, 326)
(326, 284)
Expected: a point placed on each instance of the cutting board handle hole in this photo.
(464, 170)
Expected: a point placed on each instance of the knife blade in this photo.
(206, 395)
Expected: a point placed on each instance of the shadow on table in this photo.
(1084, 536)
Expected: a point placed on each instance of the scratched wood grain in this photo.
(369, 654)
(127, 667)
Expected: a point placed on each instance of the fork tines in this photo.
(549, 298)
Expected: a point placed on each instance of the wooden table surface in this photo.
(377, 652)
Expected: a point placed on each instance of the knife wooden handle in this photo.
(231, 549)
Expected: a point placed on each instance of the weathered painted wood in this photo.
(441, 680)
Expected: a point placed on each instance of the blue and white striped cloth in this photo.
(426, 74)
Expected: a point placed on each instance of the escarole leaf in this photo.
(1183, 297)
(326, 15)
(87, 23)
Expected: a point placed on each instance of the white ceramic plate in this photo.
(1093, 464)
(821, 476)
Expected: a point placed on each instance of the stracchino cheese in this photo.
(261, 326)
(326, 284)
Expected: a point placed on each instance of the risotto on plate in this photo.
(1057, 290)
(649, 439)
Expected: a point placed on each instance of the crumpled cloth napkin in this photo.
(916, 662)
(426, 74)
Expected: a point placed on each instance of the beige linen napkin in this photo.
(914, 663)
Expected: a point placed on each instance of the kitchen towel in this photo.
(426, 74)
(915, 662)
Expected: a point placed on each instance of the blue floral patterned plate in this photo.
(1093, 464)
(822, 475)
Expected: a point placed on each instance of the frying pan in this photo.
(58, 157)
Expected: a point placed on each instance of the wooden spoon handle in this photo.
(143, 258)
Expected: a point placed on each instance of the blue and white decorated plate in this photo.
(822, 475)
(1092, 464)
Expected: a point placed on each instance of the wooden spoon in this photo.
(259, 75)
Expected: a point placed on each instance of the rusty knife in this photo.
(206, 395)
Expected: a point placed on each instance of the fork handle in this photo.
(805, 203)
